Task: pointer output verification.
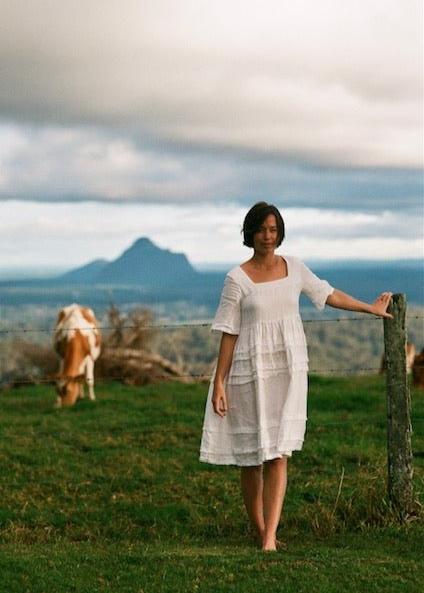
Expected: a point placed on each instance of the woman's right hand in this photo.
(219, 400)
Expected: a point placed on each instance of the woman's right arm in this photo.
(225, 357)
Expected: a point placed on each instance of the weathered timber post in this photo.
(399, 427)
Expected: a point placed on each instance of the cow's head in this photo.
(68, 389)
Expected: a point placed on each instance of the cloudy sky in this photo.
(169, 119)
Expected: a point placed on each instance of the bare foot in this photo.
(269, 548)
(259, 537)
(269, 544)
(272, 545)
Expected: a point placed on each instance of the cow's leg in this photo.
(58, 402)
(83, 375)
(89, 374)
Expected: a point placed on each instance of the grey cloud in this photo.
(77, 164)
(295, 80)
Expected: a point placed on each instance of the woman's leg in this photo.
(251, 487)
(274, 489)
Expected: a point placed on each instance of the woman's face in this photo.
(265, 239)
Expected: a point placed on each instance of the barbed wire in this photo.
(184, 324)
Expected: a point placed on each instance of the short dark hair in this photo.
(255, 217)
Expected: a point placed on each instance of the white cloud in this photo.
(38, 234)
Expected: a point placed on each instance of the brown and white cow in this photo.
(77, 340)
(410, 356)
(418, 370)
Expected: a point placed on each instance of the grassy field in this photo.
(110, 496)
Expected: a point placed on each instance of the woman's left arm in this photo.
(341, 300)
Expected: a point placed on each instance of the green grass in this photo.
(110, 496)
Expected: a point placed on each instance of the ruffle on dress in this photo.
(255, 430)
(241, 457)
(268, 348)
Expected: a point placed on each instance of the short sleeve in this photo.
(316, 289)
(228, 315)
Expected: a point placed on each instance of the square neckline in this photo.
(269, 281)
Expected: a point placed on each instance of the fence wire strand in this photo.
(184, 324)
(16, 381)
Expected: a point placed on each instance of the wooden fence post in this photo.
(399, 427)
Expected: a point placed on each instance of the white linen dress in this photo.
(266, 385)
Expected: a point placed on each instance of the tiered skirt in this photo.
(266, 389)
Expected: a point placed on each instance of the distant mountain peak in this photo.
(143, 263)
(143, 242)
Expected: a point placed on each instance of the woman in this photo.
(256, 407)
